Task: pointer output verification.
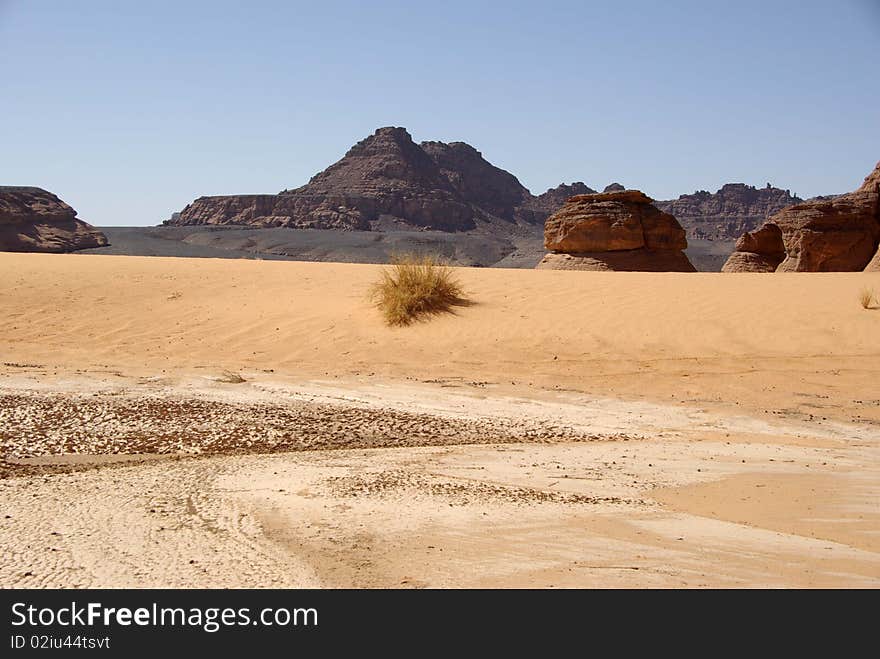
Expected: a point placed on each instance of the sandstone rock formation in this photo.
(34, 220)
(825, 235)
(759, 251)
(614, 187)
(387, 179)
(618, 230)
(729, 212)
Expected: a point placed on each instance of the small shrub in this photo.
(415, 287)
(866, 297)
(230, 377)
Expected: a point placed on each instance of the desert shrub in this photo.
(230, 377)
(866, 297)
(414, 287)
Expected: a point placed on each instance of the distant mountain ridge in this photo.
(387, 181)
(728, 213)
(387, 177)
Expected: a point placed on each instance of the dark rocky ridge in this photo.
(386, 174)
(537, 209)
(35, 220)
(389, 181)
(477, 181)
(729, 212)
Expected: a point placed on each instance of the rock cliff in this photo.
(729, 212)
(822, 235)
(35, 220)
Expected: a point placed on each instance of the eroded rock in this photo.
(619, 230)
(35, 220)
(839, 234)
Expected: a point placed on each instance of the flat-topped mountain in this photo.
(388, 178)
(729, 212)
(35, 220)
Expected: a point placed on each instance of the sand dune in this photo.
(567, 429)
(748, 338)
(148, 312)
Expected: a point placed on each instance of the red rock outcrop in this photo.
(823, 235)
(618, 230)
(34, 220)
(757, 251)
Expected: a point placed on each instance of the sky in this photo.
(129, 110)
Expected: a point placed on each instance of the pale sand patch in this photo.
(647, 509)
(824, 506)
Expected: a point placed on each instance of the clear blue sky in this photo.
(129, 110)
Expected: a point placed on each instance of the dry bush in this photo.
(866, 297)
(415, 287)
(230, 377)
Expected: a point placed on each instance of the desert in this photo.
(316, 310)
(178, 422)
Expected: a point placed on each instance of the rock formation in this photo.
(618, 230)
(476, 181)
(386, 174)
(825, 235)
(729, 212)
(757, 251)
(537, 209)
(388, 178)
(614, 187)
(34, 220)
(250, 209)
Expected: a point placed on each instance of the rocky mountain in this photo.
(619, 230)
(389, 180)
(386, 174)
(537, 209)
(729, 212)
(823, 235)
(35, 220)
(476, 181)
